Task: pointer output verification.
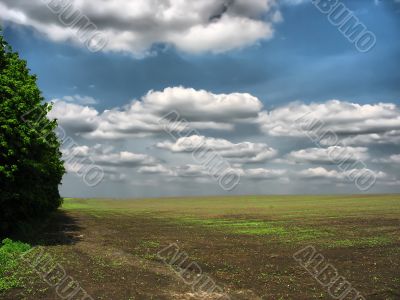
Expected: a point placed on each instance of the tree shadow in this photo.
(59, 228)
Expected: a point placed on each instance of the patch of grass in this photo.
(10, 252)
(228, 224)
(150, 256)
(150, 244)
(300, 234)
(147, 249)
(263, 231)
(258, 227)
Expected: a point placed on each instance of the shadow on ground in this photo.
(59, 228)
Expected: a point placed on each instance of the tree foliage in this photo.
(31, 168)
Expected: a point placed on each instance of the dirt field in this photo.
(244, 244)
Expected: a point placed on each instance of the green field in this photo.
(245, 244)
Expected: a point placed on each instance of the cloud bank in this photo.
(212, 122)
(136, 26)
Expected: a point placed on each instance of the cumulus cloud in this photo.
(330, 155)
(245, 152)
(75, 117)
(105, 156)
(359, 127)
(201, 105)
(135, 26)
(353, 123)
(384, 138)
(199, 108)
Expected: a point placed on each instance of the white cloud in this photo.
(201, 105)
(389, 137)
(354, 123)
(334, 175)
(201, 110)
(135, 26)
(351, 121)
(222, 35)
(124, 159)
(330, 155)
(245, 152)
(75, 117)
(320, 172)
(106, 157)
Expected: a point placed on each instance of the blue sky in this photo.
(306, 59)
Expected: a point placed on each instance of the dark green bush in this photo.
(31, 168)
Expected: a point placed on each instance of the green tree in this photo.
(31, 168)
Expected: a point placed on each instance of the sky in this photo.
(278, 94)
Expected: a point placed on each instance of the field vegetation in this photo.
(245, 244)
